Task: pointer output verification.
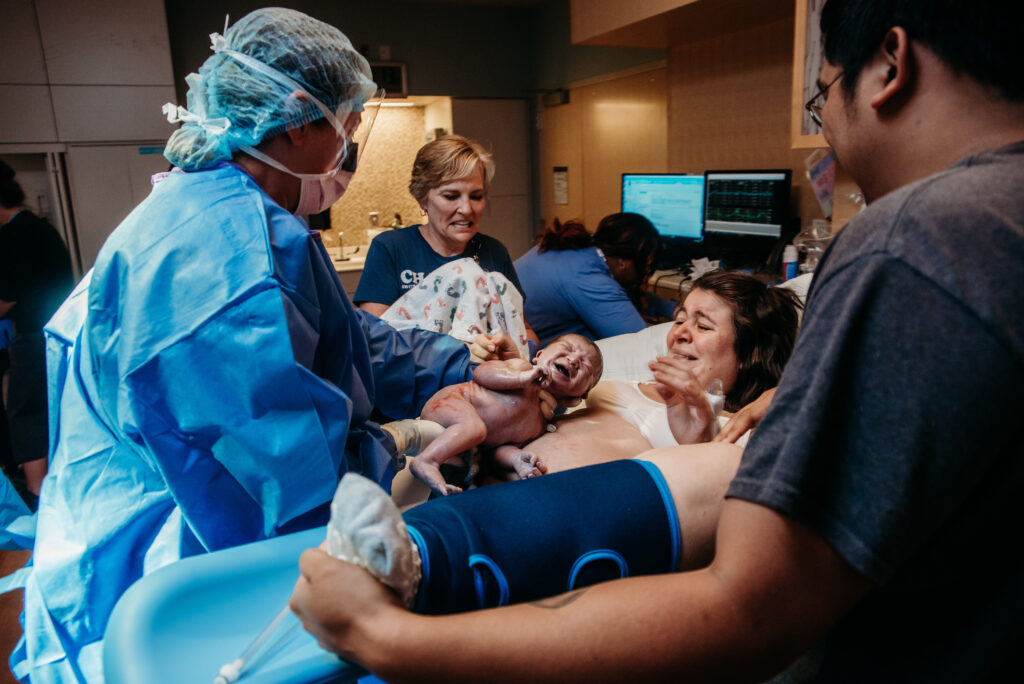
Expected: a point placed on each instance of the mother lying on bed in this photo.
(730, 328)
(467, 548)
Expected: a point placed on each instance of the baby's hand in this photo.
(536, 374)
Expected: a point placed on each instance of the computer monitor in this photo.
(747, 202)
(673, 202)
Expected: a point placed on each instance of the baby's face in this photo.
(571, 364)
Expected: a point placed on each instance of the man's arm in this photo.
(771, 592)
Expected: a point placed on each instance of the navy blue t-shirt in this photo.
(399, 259)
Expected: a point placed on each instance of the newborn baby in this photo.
(501, 406)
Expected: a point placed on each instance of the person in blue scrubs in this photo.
(209, 380)
(590, 285)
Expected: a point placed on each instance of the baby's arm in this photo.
(512, 374)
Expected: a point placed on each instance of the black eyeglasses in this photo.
(812, 106)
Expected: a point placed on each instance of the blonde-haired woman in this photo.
(450, 178)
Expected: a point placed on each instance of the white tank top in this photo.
(650, 417)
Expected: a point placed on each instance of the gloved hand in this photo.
(413, 434)
(489, 347)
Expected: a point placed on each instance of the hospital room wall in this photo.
(448, 49)
(726, 97)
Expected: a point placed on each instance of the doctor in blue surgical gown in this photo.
(209, 379)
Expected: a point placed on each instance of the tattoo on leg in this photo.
(556, 602)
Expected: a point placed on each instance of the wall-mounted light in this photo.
(390, 104)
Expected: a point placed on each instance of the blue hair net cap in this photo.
(235, 101)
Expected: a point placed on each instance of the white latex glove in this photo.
(413, 434)
(490, 347)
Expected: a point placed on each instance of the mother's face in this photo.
(704, 338)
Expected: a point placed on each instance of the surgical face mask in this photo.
(318, 190)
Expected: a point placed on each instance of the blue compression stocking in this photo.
(527, 540)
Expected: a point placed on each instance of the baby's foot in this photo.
(367, 529)
(431, 475)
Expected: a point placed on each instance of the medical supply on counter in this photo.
(789, 262)
(812, 241)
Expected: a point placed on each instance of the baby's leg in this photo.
(463, 430)
(523, 463)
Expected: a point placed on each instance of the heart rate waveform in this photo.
(745, 201)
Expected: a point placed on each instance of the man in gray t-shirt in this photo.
(872, 526)
(892, 434)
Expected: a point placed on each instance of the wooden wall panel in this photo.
(609, 127)
(624, 125)
(561, 144)
(729, 106)
(596, 21)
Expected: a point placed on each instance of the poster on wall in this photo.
(561, 185)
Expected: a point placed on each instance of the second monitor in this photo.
(747, 202)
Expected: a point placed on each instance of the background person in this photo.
(591, 285)
(212, 376)
(450, 179)
(885, 474)
(35, 277)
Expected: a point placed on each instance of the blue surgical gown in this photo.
(209, 382)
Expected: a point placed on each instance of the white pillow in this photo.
(626, 356)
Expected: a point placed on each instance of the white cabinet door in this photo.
(107, 181)
(106, 42)
(502, 126)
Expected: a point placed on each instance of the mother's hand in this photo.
(690, 416)
(490, 347)
(339, 603)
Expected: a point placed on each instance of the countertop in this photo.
(349, 259)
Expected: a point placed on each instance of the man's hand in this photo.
(690, 416)
(747, 418)
(335, 599)
(490, 347)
